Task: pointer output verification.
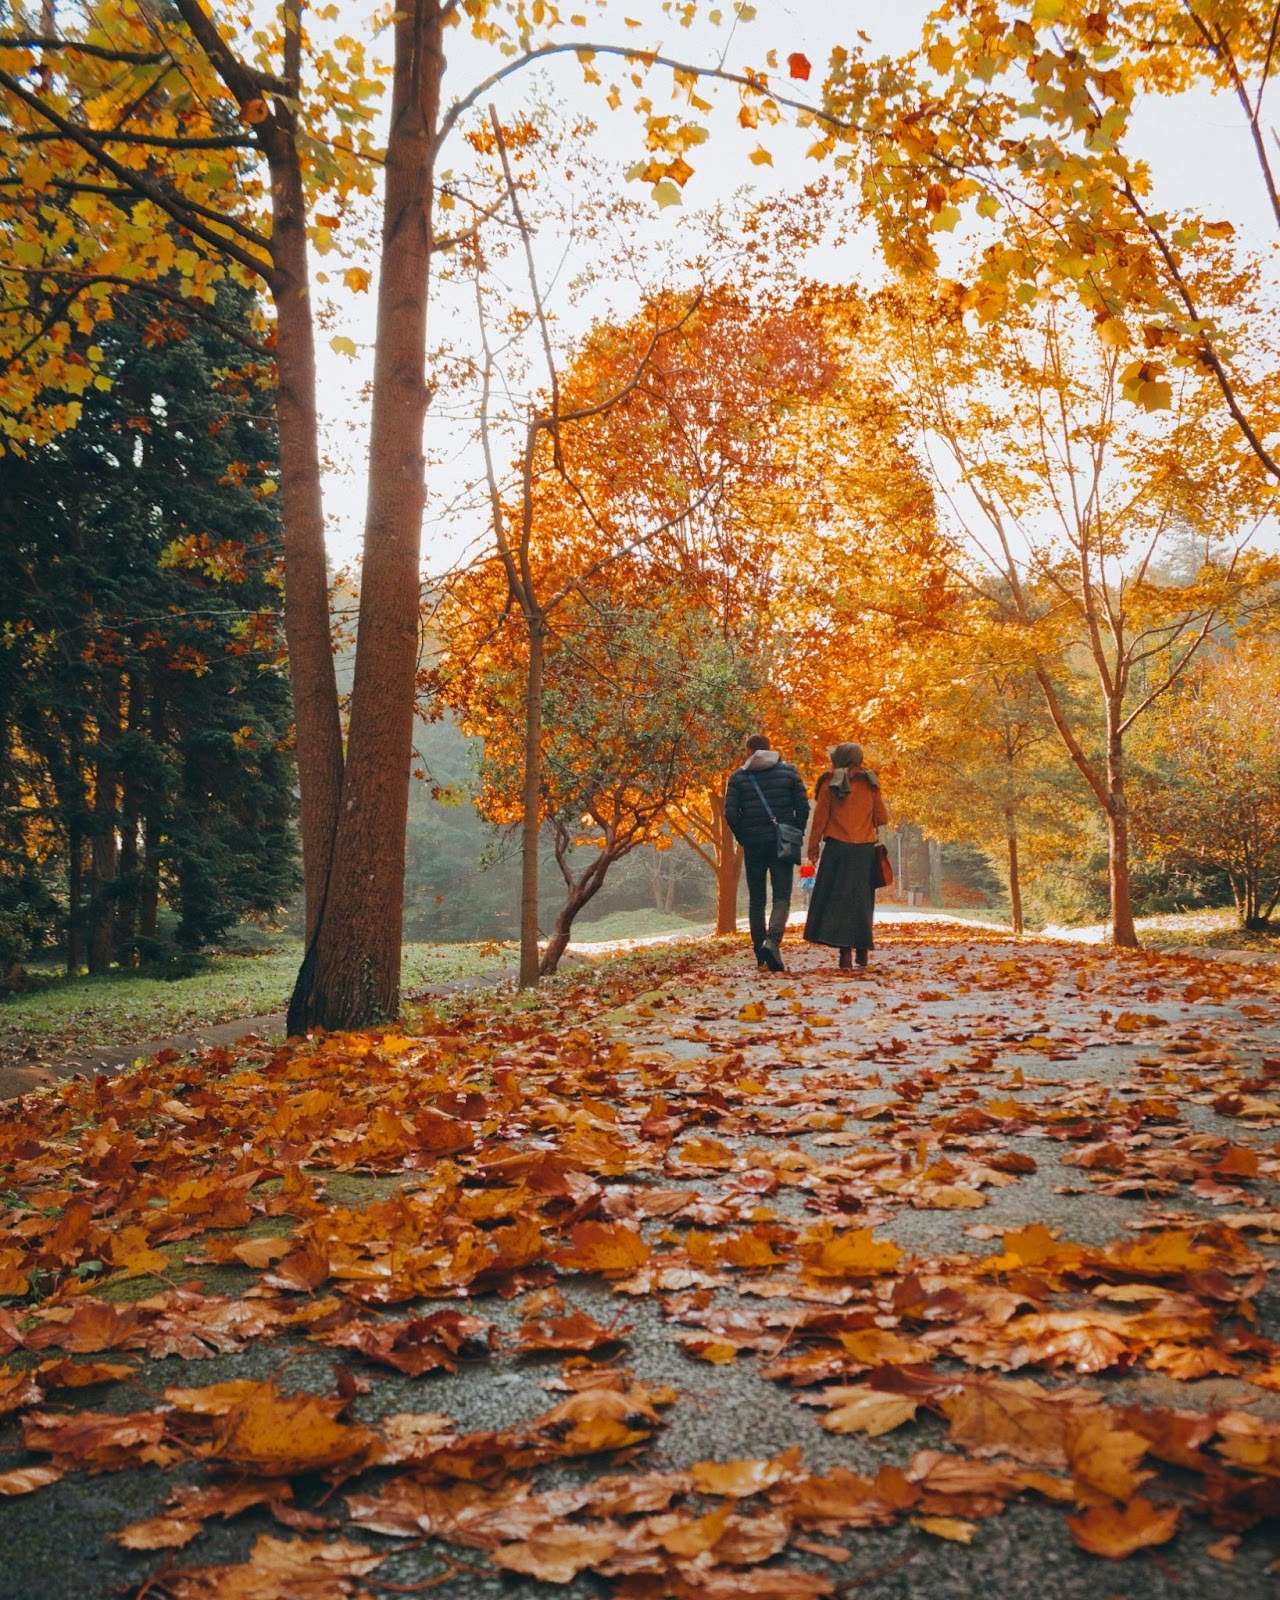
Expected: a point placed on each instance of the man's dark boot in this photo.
(771, 955)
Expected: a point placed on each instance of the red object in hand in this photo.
(807, 870)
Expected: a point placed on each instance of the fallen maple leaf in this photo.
(68, 1374)
(1117, 1531)
(99, 1441)
(1000, 1417)
(737, 1479)
(558, 1554)
(420, 1345)
(277, 1435)
(577, 1331)
(87, 1327)
(280, 1569)
(611, 1248)
(867, 1411)
(1103, 1458)
(706, 1153)
(595, 1420)
(131, 1253)
(855, 1254)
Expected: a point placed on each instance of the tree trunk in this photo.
(355, 977)
(74, 878)
(149, 907)
(152, 832)
(1123, 932)
(581, 892)
(104, 849)
(127, 898)
(728, 854)
(558, 943)
(532, 804)
(1015, 884)
(317, 727)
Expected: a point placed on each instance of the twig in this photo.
(880, 1572)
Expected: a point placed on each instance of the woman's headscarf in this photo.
(845, 758)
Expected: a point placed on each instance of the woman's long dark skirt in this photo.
(844, 896)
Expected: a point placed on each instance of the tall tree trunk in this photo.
(149, 900)
(1123, 932)
(532, 806)
(317, 727)
(728, 853)
(127, 897)
(152, 829)
(75, 869)
(1015, 884)
(126, 909)
(356, 969)
(104, 849)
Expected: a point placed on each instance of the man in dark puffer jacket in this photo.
(746, 815)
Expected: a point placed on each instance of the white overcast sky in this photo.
(1198, 148)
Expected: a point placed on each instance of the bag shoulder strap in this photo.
(768, 809)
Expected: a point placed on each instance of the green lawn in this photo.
(1217, 930)
(122, 1008)
(643, 924)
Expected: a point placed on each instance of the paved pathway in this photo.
(966, 1088)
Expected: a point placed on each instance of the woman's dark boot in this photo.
(846, 958)
(862, 958)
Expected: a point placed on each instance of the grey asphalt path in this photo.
(925, 1002)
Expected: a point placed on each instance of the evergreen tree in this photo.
(145, 711)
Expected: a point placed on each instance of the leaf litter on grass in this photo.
(744, 1182)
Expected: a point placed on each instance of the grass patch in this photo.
(643, 924)
(1206, 930)
(123, 1008)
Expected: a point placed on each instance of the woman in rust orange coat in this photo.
(848, 807)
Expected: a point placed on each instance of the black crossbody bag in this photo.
(789, 837)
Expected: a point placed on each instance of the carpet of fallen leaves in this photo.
(788, 1177)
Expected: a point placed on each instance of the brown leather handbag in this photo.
(882, 872)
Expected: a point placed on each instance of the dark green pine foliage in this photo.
(143, 697)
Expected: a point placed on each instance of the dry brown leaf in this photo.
(276, 1435)
(1118, 1531)
(68, 1374)
(737, 1479)
(1104, 1459)
(855, 1254)
(956, 1529)
(577, 1331)
(25, 1480)
(611, 1248)
(999, 1417)
(159, 1533)
(18, 1390)
(558, 1554)
(867, 1411)
(280, 1569)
